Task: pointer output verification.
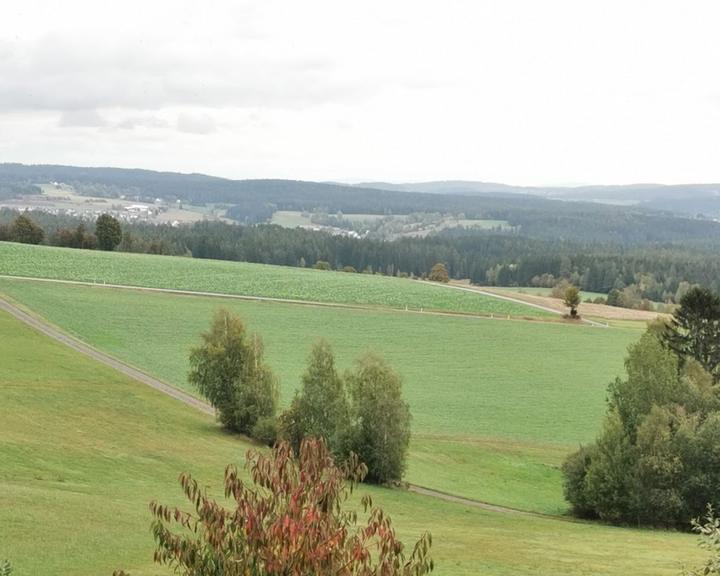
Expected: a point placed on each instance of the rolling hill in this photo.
(536, 212)
(501, 400)
(74, 495)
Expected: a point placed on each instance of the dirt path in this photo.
(602, 311)
(58, 335)
(479, 504)
(532, 304)
(75, 344)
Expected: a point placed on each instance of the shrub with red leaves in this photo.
(289, 521)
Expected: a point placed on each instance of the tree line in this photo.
(656, 459)
(23, 228)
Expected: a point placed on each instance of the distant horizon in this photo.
(358, 181)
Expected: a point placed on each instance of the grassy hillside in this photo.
(83, 450)
(245, 279)
(496, 404)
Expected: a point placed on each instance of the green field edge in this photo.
(548, 319)
(97, 267)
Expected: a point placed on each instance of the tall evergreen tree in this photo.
(695, 329)
(108, 232)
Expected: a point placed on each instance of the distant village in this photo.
(61, 199)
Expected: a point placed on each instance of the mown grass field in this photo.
(84, 449)
(245, 279)
(496, 404)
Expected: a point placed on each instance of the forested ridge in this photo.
(254, 201)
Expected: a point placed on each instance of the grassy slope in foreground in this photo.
(246, 279)
(496, 404)
(83, 450)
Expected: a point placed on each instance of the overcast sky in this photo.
(522, 92)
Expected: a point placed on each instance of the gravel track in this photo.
(75, 344)
(520, 301)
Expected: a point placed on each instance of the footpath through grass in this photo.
(242, 278)
(84, 449)
(496, 404)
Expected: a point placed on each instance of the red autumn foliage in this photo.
(289, 521)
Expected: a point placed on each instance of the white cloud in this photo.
(514, 90)
(195, 123)
(57, 72)
(147, 121)
(82, 118)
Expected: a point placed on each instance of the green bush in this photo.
(322, 265)
(265, 430)
(575, 471)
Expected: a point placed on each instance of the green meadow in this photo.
(496, 404)
(83, 450)
(241, 278)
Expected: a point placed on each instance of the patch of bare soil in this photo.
(585, 309)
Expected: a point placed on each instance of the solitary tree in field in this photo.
(694, 331)
(439, 273)
(108, 232)
(379, 419)
(288, 520)
(228, 369)
(571, 299)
